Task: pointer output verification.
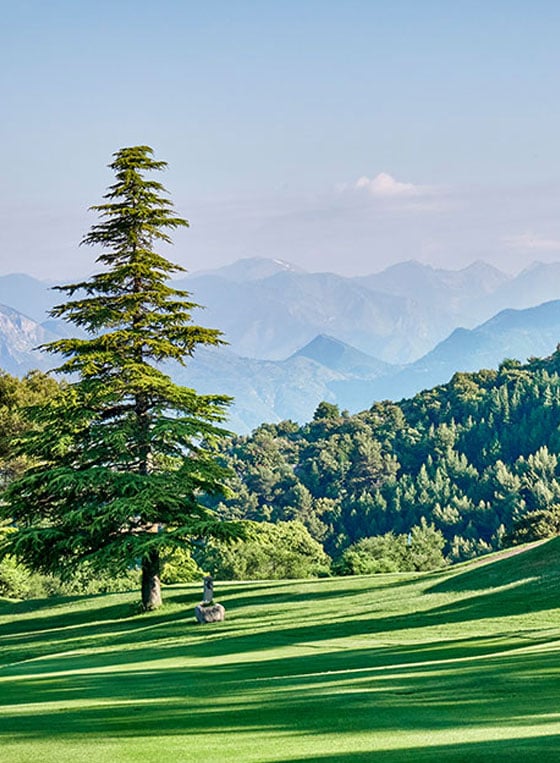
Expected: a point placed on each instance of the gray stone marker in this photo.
(208, 590)
(208, 611)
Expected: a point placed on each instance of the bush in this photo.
(272, 552)
(18, 582)
(536, 525)
(378, 553)
(422, 549)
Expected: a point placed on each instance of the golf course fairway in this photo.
(461, 664)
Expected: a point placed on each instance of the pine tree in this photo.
(124, 454)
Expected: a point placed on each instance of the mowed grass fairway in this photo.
(458, 665)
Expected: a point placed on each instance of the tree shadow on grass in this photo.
(28, 638)
(525, 597)
(144, 639)
(516, 690)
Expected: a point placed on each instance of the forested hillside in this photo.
(477, 458)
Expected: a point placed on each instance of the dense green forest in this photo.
(457, 471)
(471, 465)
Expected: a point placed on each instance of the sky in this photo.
(341, 135)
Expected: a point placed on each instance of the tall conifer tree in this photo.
(123, 453)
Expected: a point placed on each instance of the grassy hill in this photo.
(457, 665)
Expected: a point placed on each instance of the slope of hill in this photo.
(267, 390)
(339, 356)
(263, 390)
(455, 294)
(456, 665)
(517, 334)
(476, 457)
(250, 269)
(538, 283)
(19, 338)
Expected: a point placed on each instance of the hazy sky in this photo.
(338, 134)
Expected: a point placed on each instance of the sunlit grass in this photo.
(457, 665)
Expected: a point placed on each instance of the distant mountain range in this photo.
(518, 334)
(298, 338)
(331, 370)
(269, 308)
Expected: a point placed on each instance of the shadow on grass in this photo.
(532, 578)
(143, 639)
(236, 677)
(117, 624)
(525, 750)
(512, 691)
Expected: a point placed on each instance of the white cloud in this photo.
(532, 241)
(385, 186)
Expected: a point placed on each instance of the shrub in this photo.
(273, 552)
(422, 549)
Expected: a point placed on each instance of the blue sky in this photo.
(339, 135)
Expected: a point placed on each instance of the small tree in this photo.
(123, 452)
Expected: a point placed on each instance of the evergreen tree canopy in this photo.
(123, 453)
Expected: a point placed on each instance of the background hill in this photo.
(266, 390)
(20, 337)
(455, 294)
(273, 317)
(518, 334)
(477, 458)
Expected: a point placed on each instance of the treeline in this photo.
(473, 462)
(457, 471)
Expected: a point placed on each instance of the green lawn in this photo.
(460, 665)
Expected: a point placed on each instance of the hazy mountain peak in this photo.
(27, 295)
(407, 266)
(340, 356)
(535, 265)
(480, 266)
(19, 338)
(252, 269)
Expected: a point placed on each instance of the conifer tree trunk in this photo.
(151, 586)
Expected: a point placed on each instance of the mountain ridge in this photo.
(322, 336)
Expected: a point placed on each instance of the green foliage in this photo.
(180, 567)
(19, 582)
(378, 553)
(271, 552)
(15, 396)
(536, 525)
(420, 550)
(326, 411)
(122, 454)
(478, 458)
(16, 581)
(425, 547)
